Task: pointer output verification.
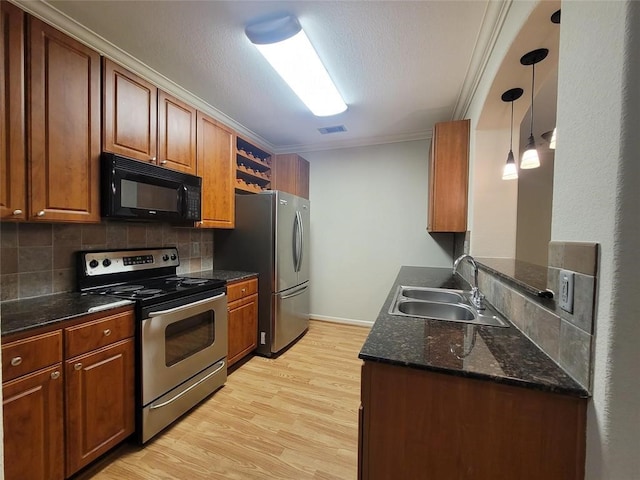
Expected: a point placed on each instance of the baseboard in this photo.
(346, 321)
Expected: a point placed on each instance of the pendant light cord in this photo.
(533, 79)
(511, 137)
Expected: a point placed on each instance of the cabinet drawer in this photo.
(98, 333)
(238, 290)
(31, 354)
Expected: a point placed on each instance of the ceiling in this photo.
(401, 66)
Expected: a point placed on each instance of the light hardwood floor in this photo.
(293, 417)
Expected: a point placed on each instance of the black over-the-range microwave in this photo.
(135, 190)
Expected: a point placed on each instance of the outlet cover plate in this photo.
(565, 289)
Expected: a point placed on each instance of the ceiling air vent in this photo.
(335, 129)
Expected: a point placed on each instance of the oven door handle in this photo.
(185, 307)
(191, 387)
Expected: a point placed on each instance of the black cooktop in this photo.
(160, 288)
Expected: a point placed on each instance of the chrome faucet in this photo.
(476, 297)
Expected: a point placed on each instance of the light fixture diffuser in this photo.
(530, 158)
(287, 48)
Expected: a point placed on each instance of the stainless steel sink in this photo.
(432, 294)
(437, 311)
(442, 304)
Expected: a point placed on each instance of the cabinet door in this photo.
(176, 134)
(64, 127)
(33, 426)
(448, 177)
(100, 402)
(243, 328)
(285, 173)
(13, 197)
(130, 113)
(303, 178)
(217, 169)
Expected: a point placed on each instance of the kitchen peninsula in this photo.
(499, 404)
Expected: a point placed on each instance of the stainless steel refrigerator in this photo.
(271, 237)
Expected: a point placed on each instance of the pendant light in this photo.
(530, 158)
(510, 171)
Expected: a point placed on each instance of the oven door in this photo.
(179, 342)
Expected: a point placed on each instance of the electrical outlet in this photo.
(565, 290)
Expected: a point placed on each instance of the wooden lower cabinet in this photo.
(419, 424)
(33, 426)
(59, 414)
(242, 319)
(100, 402)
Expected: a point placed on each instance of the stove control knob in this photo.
(165, 257)
(93, 263)
(106, 262)
(173, 256)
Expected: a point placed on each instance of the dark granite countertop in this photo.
(502, 355)
(528, 277)
(26, 314)
(228, 275)
(18, 316)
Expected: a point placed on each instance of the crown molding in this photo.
(492, 23)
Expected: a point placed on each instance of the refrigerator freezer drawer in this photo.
(291, 316)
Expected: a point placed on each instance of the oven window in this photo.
(189, 336)
(148, 197)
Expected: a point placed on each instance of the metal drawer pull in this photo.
(163, 162)
(78, 366)
(40, 213)
(244, 290)
(55, 375)
(17, 212)
(15, 361)
(164, 404)
(107, 332)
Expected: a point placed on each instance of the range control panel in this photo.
(104, 263)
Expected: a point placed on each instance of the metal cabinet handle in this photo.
(15, 361)
(107, 332)
(17, 211)
(163, 162)
(78, 366)
(244, 290)
(152, 159)
(40, 213)
(55, 375)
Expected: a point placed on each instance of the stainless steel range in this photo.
(181, 331)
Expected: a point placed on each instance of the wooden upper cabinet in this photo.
(64, 127)
(13, 197)
(291, 175)
(217, 168)
(176, 134)
(130, 113)
(448, 177)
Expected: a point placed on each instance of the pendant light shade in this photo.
(510, 171)
(530, 158)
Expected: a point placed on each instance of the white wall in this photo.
(368, 218)
(596, 199)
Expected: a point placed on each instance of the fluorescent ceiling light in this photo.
(289, 51)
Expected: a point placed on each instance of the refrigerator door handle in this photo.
(296, 242)
(295, 293)
(301, 251)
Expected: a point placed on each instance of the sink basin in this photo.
(437, 311)
(442, 304)
(432, 294)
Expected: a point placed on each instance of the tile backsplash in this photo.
(38, 259)
(565, 337)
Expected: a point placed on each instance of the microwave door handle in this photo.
(182, 199)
